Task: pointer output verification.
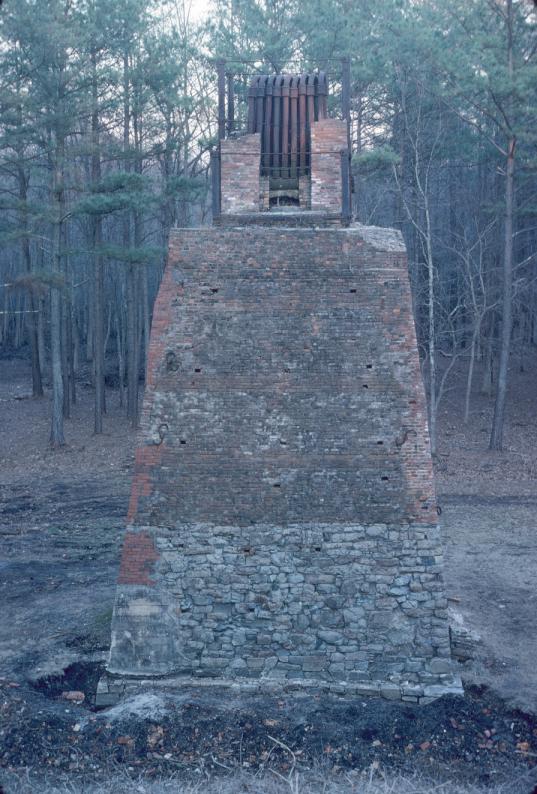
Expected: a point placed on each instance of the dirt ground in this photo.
(61, 520)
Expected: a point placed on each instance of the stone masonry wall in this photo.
(239, 173)
(283, 517)
(328, 138)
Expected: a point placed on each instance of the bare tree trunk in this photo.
(132, 345)
(41, 336)
(65, 356)
(132, 291)
(31, 320)
(5, 318)
(488, 364)
(88, 331)
(56, 431)
(120, 361)
(145, 313)
(76, 344)
(19, 324)
(98, 290)
(66, 319)
(71, 351)
(470, 376)
(432, 339)
(105, 347)
(496, 437)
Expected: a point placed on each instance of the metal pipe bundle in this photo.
(282, 109)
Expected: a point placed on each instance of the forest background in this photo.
(107, 120)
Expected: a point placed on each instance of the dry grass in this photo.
(373, 781)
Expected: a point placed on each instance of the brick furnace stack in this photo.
(283, 527)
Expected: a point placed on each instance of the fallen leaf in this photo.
(425, 746)
(155, 735)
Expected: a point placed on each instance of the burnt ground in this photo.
(61, 520)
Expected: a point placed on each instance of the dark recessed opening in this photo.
(352, 290)
(283, 443)
(214, 289)
(276, 485)
(79, 677)
(283, 199)
(384, 477)
(380, 442)
(182, 441)
(316, 548)
(365, 386)
(197, 369)
(172, 364)
(369, 366)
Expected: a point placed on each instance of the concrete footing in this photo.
(112, 689)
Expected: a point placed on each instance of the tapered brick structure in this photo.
(283, 526)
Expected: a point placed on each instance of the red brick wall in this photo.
(328, 138)
(240, 164)
(283, 383)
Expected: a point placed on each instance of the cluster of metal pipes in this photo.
(282, 108)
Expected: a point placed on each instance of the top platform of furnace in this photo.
(291, 165)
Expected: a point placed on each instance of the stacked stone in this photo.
(338, 603)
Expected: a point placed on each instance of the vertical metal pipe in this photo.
(221, 70)
(259, 105)
(293, 102)
(285, 125)
(230, 104)
(310, 117)
(302, 124)
(215, 183)
(346, 96)
(267, 128)
(276, 140)
(252, 95)
(322, 91)
(346, 210)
